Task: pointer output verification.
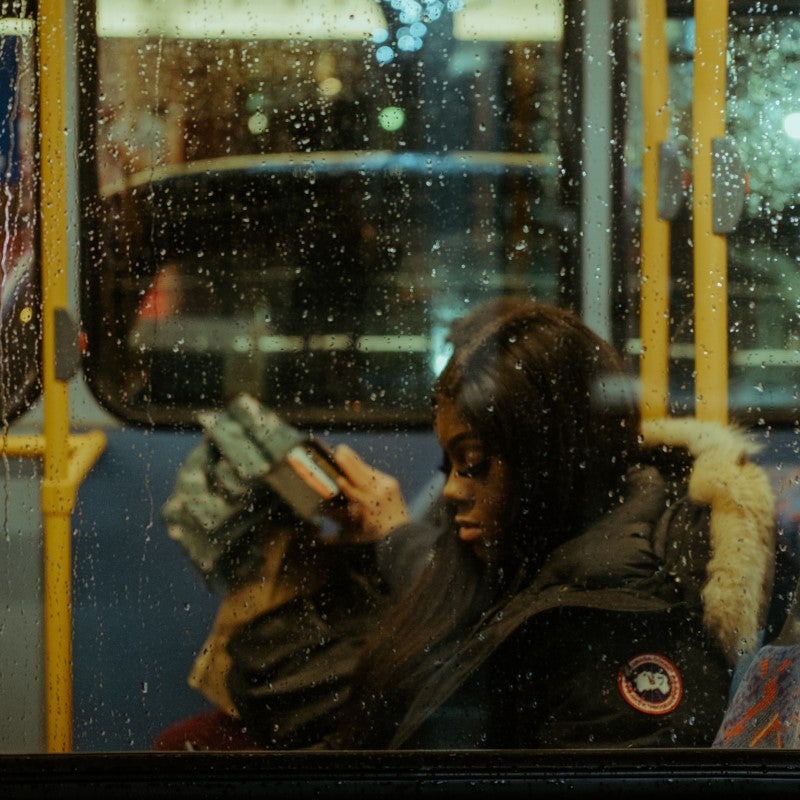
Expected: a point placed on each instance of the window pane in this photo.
(297, 205)
(761, 116)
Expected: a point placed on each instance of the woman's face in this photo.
(478, 484)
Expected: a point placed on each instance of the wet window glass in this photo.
(762, 246)
(20, 312)
(296, 199)
(291, 201)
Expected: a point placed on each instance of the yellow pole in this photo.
(56, 498)
(67, 458)
(654, 311)
(710, 249)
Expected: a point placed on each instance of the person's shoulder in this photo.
(686, 445)
(724, 478)
(582, 638)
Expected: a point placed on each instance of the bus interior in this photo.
(295, 199)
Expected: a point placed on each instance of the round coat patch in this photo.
(650, 683)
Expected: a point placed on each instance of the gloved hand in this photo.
(233, 487)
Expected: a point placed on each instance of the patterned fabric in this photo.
(765, 709)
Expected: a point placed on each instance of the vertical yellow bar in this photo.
(56, 499)
(654, 312)
(710, 249)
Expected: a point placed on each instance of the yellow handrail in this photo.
(654, 300)
(67, 457)
(58, 500)
(710, 249)
(59, 486)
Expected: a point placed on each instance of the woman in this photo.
(581, 598)
(586, 581)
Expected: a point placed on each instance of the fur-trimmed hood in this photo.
(711, 553)
(741, 568)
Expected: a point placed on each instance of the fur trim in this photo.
(741, 569)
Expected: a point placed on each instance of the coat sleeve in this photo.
(292, 667)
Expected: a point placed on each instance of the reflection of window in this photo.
(20, 315)
(292, 218)
(163, 298)
(353, 267)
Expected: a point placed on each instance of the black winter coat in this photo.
(627, 637)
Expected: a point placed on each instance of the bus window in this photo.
(296, 204)
(763, 87)
(20, 313)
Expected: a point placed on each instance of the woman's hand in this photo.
(374, 503)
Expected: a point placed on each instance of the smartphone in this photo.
(314, 463)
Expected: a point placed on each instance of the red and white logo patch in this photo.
(650, 683)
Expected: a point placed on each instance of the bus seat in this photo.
(209, 730)
(764, 710)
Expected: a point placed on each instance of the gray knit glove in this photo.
(236, 484)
